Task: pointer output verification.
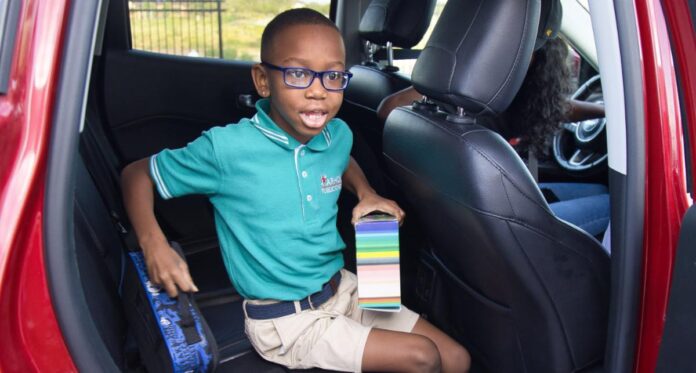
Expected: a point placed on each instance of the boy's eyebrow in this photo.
(303, 62)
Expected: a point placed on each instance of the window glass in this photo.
(9, 17)
(406, 66)
(229, 29)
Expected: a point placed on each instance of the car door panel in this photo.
(154, 101)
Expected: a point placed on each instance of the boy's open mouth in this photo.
(313, 119)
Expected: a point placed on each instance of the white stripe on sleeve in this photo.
(159, 183)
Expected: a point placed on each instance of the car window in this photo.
(229, 29)
(9, 15)
(406, 66)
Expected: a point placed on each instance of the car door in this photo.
(679, 334)
(667, 312)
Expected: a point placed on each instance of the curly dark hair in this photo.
(542, 102)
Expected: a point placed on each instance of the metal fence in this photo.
(182, 27)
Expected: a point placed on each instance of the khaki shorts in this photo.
(332, 336)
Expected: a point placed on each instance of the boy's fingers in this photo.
(190, 285)
(357, 214)
(182, 281)
(391, 209)
(400, 213)
(360, 212)
(170, 288)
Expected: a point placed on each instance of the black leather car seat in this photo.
(387, 24)
(403, 24)
(523, 290)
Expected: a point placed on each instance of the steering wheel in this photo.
(582, 146)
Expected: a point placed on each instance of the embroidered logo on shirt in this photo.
(330, 184)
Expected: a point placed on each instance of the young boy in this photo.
(274, 180)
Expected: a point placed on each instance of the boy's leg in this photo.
(390, 351)
(403, 340)
(426, 349)
(455, 358)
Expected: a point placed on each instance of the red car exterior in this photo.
(30, 336)
(665, 187)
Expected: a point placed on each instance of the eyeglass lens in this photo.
(303, 78)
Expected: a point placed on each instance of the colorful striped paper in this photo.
(379, 280)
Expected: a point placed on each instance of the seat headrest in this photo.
(402, 22)
(478, 54)
(549, 22)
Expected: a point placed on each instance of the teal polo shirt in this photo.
(274, 200)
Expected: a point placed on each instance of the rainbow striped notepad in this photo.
(379, 281)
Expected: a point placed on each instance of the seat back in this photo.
(523, 290)
(99, 260)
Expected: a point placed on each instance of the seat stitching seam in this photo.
(503, 173)
(507, 195)
(461, 42)
(515, 63)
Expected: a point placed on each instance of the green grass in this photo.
(174, 28)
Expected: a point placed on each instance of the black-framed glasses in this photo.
(300, 77)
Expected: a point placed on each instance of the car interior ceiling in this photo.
(130, 115)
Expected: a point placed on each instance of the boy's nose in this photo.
(316, 90)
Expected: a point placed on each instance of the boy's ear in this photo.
(258, 74)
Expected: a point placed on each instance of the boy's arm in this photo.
(165, 266)
(355, 181)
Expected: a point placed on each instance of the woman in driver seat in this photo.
(529, 123)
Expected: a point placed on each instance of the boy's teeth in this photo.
(313, 119)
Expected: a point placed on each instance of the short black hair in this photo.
(291, 17)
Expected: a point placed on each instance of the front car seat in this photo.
(523, 290)
(399, 23)
(386, 24)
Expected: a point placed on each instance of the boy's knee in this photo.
(426, 357)
(460, 359)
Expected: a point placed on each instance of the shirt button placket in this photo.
(301, 152)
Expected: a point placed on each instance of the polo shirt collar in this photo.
(263, 122)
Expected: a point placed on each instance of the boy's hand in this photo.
(374, 202)
(167, 269)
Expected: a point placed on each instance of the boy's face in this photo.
(302, 113)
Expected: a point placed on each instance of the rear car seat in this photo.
(101, 253)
